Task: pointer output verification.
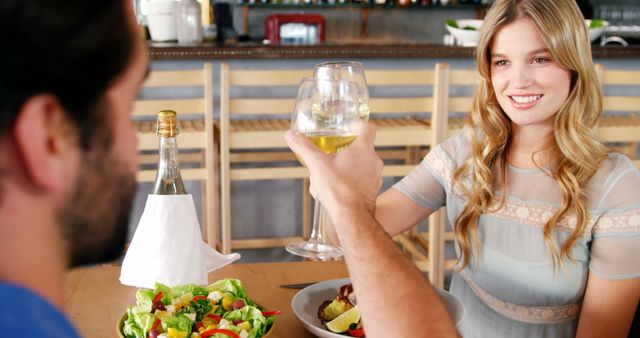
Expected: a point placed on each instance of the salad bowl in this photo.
(306, 302)
(188, 308)
(120, 326)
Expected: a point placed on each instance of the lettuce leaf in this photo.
(138, 325)
(181, 323)
(233, 286)
(596, 23)
(194, 289)
(253, 315)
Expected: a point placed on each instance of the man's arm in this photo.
(395, 299)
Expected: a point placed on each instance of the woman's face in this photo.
(529, 85)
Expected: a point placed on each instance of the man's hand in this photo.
(346, 183)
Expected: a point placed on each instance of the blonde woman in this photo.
(547, 223)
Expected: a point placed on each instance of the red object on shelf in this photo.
(273, 25)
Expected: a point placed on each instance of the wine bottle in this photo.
(168, 180)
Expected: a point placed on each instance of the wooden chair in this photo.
(196, 139)
(453, 92)
(250, 124)
(252, 131)
(619, 126)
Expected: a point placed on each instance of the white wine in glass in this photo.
(324, 112)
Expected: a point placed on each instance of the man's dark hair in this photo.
(73, 49)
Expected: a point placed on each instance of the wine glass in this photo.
(349, 71)
(324, 112)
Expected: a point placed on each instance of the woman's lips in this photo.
(524, 101)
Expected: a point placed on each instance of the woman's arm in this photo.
(397, 213)
(608, 307)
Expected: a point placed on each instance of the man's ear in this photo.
(46, 142)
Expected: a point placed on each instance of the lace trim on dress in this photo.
(627, 221)
(523, 313)
(536, 214)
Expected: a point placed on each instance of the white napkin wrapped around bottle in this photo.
(167, 246)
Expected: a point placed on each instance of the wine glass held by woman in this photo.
(348, 71)
(546, 220)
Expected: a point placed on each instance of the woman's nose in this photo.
(521, 76)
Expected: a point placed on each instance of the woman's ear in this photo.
(46, 143)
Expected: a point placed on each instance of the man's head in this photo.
(71, 70)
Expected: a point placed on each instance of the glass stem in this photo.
(317, 231)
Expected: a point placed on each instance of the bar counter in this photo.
(212, 51)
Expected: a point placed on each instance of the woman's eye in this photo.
(501, 62)
(540, 60)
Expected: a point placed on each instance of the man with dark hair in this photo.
(70, 72)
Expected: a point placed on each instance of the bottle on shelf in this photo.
(168, 179)
(189, 24)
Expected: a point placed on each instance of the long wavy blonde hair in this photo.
(577, 153)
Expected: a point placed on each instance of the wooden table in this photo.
(96, 300)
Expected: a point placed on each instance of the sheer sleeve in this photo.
(429, 183)
(615, 247)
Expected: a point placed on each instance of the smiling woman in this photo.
(544, 218)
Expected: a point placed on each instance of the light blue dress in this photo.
(512, 290)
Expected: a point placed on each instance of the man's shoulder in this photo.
(26, 314)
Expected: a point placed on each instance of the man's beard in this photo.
(94, 220)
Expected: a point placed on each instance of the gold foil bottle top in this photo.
(167, 124)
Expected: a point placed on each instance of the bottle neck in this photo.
(168, 179)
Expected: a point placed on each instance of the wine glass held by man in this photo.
(67, 150)
(545, 219)
(324, 112)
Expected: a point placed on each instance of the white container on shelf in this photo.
(189, 22)
(162, 20)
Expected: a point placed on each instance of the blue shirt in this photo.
(25, 314)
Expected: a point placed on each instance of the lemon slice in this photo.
(341, 323)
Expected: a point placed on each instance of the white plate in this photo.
(306, 302)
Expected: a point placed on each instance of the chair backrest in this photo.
(196, 138)
(251, 128)
(462, 85)
(619, 126)
(252, 131)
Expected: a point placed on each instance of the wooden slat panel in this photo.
(409, 137)
(460, 104)
(621, 103)
(255, 243)
(257, 140)
(182, 106)
(621, 77)
(409, 77)
(401, 105)
(175, 78)
(619, 134)
(261, 106)
(269, 173)
(266, 77)
(464, 77)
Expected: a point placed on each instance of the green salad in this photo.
(220, 310)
